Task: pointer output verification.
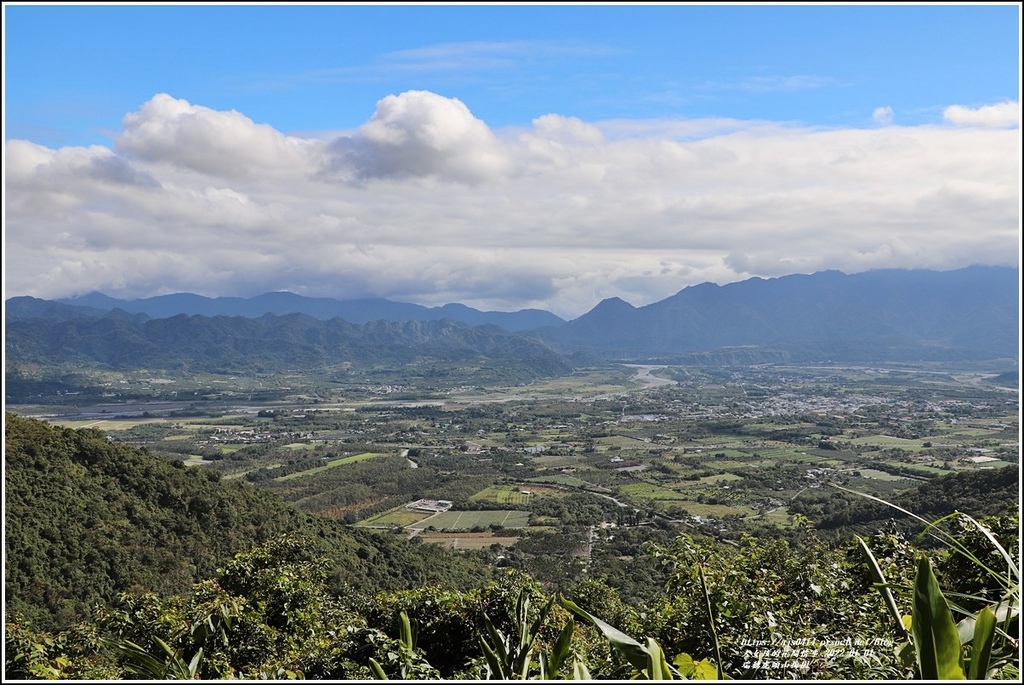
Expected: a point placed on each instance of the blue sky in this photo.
(73, 71)
(467, 110)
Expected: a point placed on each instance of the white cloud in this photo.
(228, 144)
(419, 133)
(1001, 115)
(426, 203)
(883, 116)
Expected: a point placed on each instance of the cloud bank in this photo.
(426, 203)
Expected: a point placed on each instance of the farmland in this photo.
(726, 450)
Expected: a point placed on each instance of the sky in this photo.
(505, 156)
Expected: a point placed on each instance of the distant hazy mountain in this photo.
(34, 308)
(354, 311)
(893, 314)
(223, 343)
(898, 314)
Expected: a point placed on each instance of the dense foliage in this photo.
(122, 565)
(228, 344)
(88, 519)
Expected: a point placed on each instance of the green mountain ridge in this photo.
(88, 519)
(224, 343)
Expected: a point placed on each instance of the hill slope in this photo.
(227, 343)
(87, 519)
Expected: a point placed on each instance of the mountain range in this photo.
(358, 311)
(892, 314)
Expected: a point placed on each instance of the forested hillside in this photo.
(132, 556)
(225, 344)
(88, 519)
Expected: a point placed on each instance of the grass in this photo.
(561, 479)
(890, 441)
(505, 494)
(331, 464)
(720, 477)
(715, 510)
(299, 446)
(879, 475)
(649, 491)
(919, 468)
(457, 541)
(399, 516)
(467, 520)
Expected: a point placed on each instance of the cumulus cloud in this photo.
(425, 203)
(883, 116)
(419, 133)
(229, 144)
(1001, 115)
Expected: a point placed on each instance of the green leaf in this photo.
(405, 630)
(711, 621)
(634, 652)
(657, 666)
(193, 666)
(580, 671)
(562, 649)
(493, 662)
(705, 670)
(878, 578)
(935, 637)
(981, 646)
(378, 672)
(685, 665)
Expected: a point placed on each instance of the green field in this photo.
(562, 479)
(503, 494)
(457, 541)
(331, 464)
(889, 441)
(467, 520)
(715, 510)
(399, 516)
(879, 475)
(649, 491)
(719, 477)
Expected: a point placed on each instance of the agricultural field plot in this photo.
(515, 495)
(554, 461)
(457, 541)
(229, 447)
(919, 468)
(880, 475)
(399, 516)
(623, 441)
(331, 464)
(468, 520)
(109, 424)
(997, 464)
(712, 451)
(889, 441)
(649, 491)
(797, 457)
(567, 481)
(780, 517)
(723, 464)
(243, 473)
(720, 478)
(715, 510)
